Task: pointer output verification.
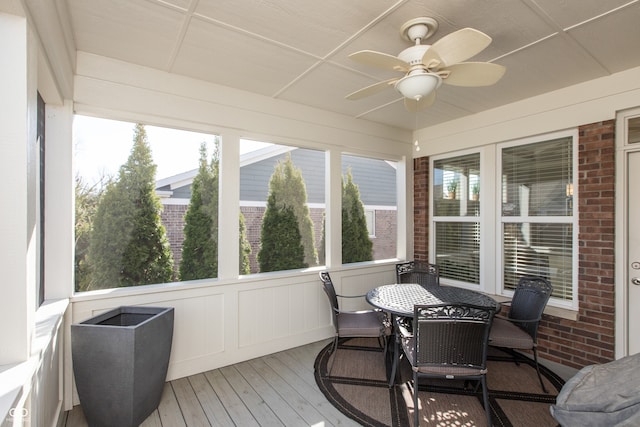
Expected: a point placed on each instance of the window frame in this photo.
(482, 219)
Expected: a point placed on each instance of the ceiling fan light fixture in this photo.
(417, 86)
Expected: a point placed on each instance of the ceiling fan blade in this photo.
(473, 74)
(457, 46)
(380, 60)
(370, 90)
(414, 106)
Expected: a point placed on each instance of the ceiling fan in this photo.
(426, 67)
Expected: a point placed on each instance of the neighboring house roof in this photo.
(376, 179)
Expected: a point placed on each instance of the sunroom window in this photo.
(456, 210)
(147, 208)
(537, 213)
(138, 213)
(369, 209)
(528, 220)
(282, 201)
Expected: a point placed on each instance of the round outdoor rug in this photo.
(358, 387)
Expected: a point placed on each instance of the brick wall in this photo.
(172, 218)
(253, 221)
(421, 208)
(589, 339)
(253, 224)
(384, 243)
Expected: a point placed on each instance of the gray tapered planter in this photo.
(120, 361)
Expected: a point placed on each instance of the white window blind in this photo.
(537, 179)
(458, 250)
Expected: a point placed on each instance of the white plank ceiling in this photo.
(297, 50)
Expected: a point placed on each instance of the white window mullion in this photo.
(228, 206)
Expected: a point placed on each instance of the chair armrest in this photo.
(351, 296)
(337, 310)
(506, 304)
(518, 320)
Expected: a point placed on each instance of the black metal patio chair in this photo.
(351, 324)
(423, 273)
(519, 329)
(449, 341)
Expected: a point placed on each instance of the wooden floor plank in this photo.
(311, 392)
(235, 407)
(297, 401)
(152, 420)
(277, 389)
(278, 404)
(211, 405)
(189, 404)
(291, 360)
(169, 410)
(76, 418)
(306, 354)
(254, 402)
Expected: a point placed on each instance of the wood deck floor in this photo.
(275, 390)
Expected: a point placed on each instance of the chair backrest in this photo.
(451, 335)
(529, 300)
(331, 294)
(419, 272)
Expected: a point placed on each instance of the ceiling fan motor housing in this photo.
(413, 55)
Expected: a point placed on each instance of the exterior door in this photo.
(633, 259)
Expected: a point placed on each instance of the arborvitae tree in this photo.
(87, 198)
(356, 245)
(129, 246)
(112, 227)
(245, 247)
(199, 248)
(354, 227)
(322, 253)
(289, 188)
(281, 247)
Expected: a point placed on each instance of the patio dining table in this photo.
(399, 299)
